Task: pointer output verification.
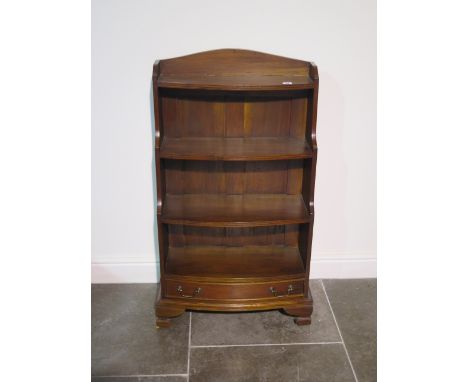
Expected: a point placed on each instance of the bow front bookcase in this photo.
(235, 164)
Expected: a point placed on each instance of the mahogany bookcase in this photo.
(235, 162)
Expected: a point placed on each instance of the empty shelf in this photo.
(235, 149)
(220, 262)
(247, 210)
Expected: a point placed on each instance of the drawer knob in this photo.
(195, 293)
(275, 292)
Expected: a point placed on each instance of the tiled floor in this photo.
(340, 344)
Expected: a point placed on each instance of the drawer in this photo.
(212, 291)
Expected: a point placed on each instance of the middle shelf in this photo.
(235, 149)
(247, 210)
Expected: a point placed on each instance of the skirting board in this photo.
(107, 273)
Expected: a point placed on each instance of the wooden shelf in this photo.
(247, 210)
(248, 263)
(235, 149)
(235, 169)
(236, 82)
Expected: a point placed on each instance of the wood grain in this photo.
(197, 290)
(233, 177)
(249, 210)
(279, 235)
(235, 158)
(234, 69)
(235, 149)
(229, 263)
(198, 114)
(233, 82)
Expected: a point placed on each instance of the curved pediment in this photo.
(235, 69)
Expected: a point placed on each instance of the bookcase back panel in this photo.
(180, 235)
(218, 177)
(235, 116)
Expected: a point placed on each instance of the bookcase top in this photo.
(235, 69)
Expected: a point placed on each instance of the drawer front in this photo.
(205, 291)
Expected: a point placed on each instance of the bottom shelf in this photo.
(236, 264)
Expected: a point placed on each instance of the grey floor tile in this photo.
(271, 327)
(354, 303)
(125, 340)
(318, 363)
(140, 379)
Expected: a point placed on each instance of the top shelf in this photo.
(236, 70)
(235, 82)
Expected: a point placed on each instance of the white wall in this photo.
(129, 35)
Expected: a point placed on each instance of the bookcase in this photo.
(235, 154)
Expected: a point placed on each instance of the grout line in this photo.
(139, 375)
(339, 331)
(189, 346)
(244, 345)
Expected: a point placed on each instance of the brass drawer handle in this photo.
(195, 293)
(275, 292)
